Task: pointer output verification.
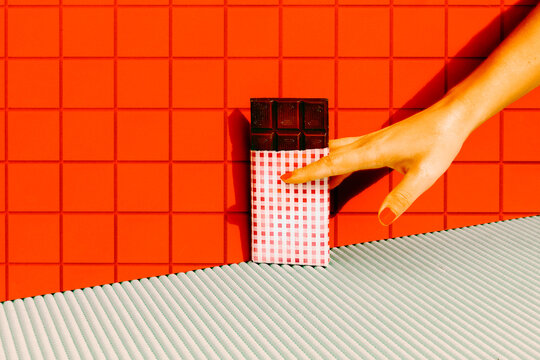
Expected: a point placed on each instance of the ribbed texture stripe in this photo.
(470, 293)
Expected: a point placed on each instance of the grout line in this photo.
(253, 58)
(115, 138)
(60, 148)
(261, 5)
(391, 96)
(446, 61)
(225, 130)
(170, 138)
(6, 216)
(280, 49)
(239, 108)
(335, 109)
(501, 131)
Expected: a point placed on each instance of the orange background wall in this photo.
(125, 125)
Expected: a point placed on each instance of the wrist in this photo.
(464, 115)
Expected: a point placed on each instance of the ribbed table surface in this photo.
(469, 293)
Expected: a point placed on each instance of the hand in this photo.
(421, 147)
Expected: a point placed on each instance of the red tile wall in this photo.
(125, 125)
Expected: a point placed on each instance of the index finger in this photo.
(337, 163)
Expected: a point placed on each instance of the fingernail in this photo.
(387, 216)
(286, 175)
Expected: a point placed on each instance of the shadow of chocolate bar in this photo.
(289, 123)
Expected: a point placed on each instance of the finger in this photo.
(336, 143)
(334, 181)
(348, 159)
(413, 185)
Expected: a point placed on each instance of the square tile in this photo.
(529, 100)
(514, 15)
(33, 83)
(139, 271)
(473, 187)
(363, 83)
(143, 135)
(198, 83)
(77, 276)
(143, 83)
(458, 220)
(238, 180)
(88, 238)
(34, 237)
(33, 135)
(360, 122)
(197, 135)
(419, 31)
(32, 280)
(363, 31)
(2, 188)
(143, 187)
(2, 40)
(87, 2)
(88, 31)
(33, 31)
(2, 135)
(418, 2)
(432, 200)
(32, 2)
(33, 187)
(198, 187)
(197, 2)
(250, 78)
(238, 238)
(363, 2)
(474, 2)
(520, 135)
(88, 187)
(143, 31)
(252, 2)
(198, 238)
(359, 228)
(3, 284)
(473, 31)
(521, 192)
(364, 191)
(409, 224)
(418, 83)
(483, 143)
(238, 129)
(143, 238)
(88, 83)
(88, 135)
(143, 2)
(208, 25)
(309, 78)
(459, 69)
(252, 31)
(308, 2)
(2, 243)
(308, 31)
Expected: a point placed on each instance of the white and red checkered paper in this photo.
(289, 222)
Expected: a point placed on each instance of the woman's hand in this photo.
(421, 147)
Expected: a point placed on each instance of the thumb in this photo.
(403, 195)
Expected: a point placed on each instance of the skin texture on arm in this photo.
(423, 146)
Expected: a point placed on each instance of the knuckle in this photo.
(329, 163)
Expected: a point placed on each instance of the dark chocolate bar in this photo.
(289, 123)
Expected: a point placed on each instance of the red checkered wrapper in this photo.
(289, 222)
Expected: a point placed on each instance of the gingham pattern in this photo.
(289, 222)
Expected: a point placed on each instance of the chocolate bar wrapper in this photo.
(290, 222)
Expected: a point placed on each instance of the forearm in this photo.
(511, 71)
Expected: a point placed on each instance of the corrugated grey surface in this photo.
(471, 293)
